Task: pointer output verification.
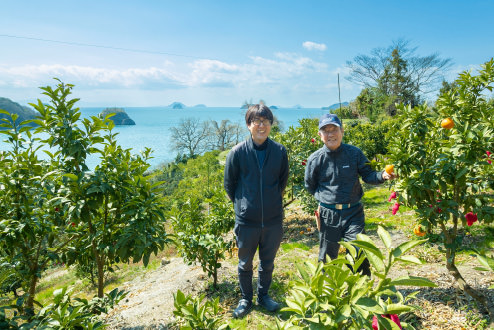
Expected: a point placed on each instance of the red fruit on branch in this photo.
(395, 208)
(471, 218)
(313, 141)
(392, 196)
(57, 209)
(304, 162)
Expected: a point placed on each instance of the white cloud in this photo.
(85, 76)
(309, 45)
(260, 70)
(211, 73)
(286, 75)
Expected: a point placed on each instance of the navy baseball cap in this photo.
(329, 119)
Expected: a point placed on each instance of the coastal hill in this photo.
(335, 106)
(23, 112)
(120, 117)
(177, 105)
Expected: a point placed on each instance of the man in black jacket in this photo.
(256, 173)
(332, 176)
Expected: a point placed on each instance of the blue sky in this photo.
(222, 53)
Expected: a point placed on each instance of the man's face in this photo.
(331, 135)
(259, 128)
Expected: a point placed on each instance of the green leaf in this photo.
(398, 309)
(486, 261)
(71, 176)
(409, 258)
(368, 247)
(385, 323)
(406, 246)
(370, 305)
(413, 281)
(462, 172)
(385, 237)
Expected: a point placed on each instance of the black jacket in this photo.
(255, 192)
(333, 176)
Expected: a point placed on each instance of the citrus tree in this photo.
(442, 155)
(201, 227)
(300, 142)
(56, 209)
(114, 213)
(32, 229)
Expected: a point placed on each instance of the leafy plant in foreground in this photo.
(65, 312)
(331, 296)
(196, 314)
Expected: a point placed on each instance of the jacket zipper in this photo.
(260, 183)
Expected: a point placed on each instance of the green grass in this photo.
(295, 245)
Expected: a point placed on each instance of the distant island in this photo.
(177, 105)
(120, 117)
(335, 106)
(200, 106)
(246, 106)
(23, 112)
(298, 106)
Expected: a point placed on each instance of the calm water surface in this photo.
(153, 125)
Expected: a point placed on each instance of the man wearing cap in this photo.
(332, 176)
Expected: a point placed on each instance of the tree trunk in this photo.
(100, 265)
(215, 278)
(463, 285)
(30, 298)
(101, 275)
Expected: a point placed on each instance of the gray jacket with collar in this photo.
(333, 176)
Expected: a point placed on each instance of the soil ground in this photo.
(149, 304)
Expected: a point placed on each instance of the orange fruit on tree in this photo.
(447, 123)
(417, 230)
(389, 168)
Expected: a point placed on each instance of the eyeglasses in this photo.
(329, 130)
(264, 122)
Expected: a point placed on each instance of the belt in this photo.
(338, 206)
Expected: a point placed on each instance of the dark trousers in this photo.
(337, 225)
(268, 240)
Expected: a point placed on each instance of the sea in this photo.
(152, 129)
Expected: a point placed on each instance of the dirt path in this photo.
(149, 304)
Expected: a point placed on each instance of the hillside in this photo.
(120, 117)
(177, 105)
(10, 106)
(335, 106)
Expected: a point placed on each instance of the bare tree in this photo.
(191, 136)
(225, 134)
(424, 73)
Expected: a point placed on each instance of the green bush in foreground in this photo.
(63, 313)
(195, 314)
(331, 296)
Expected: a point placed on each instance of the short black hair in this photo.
(258, 110)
